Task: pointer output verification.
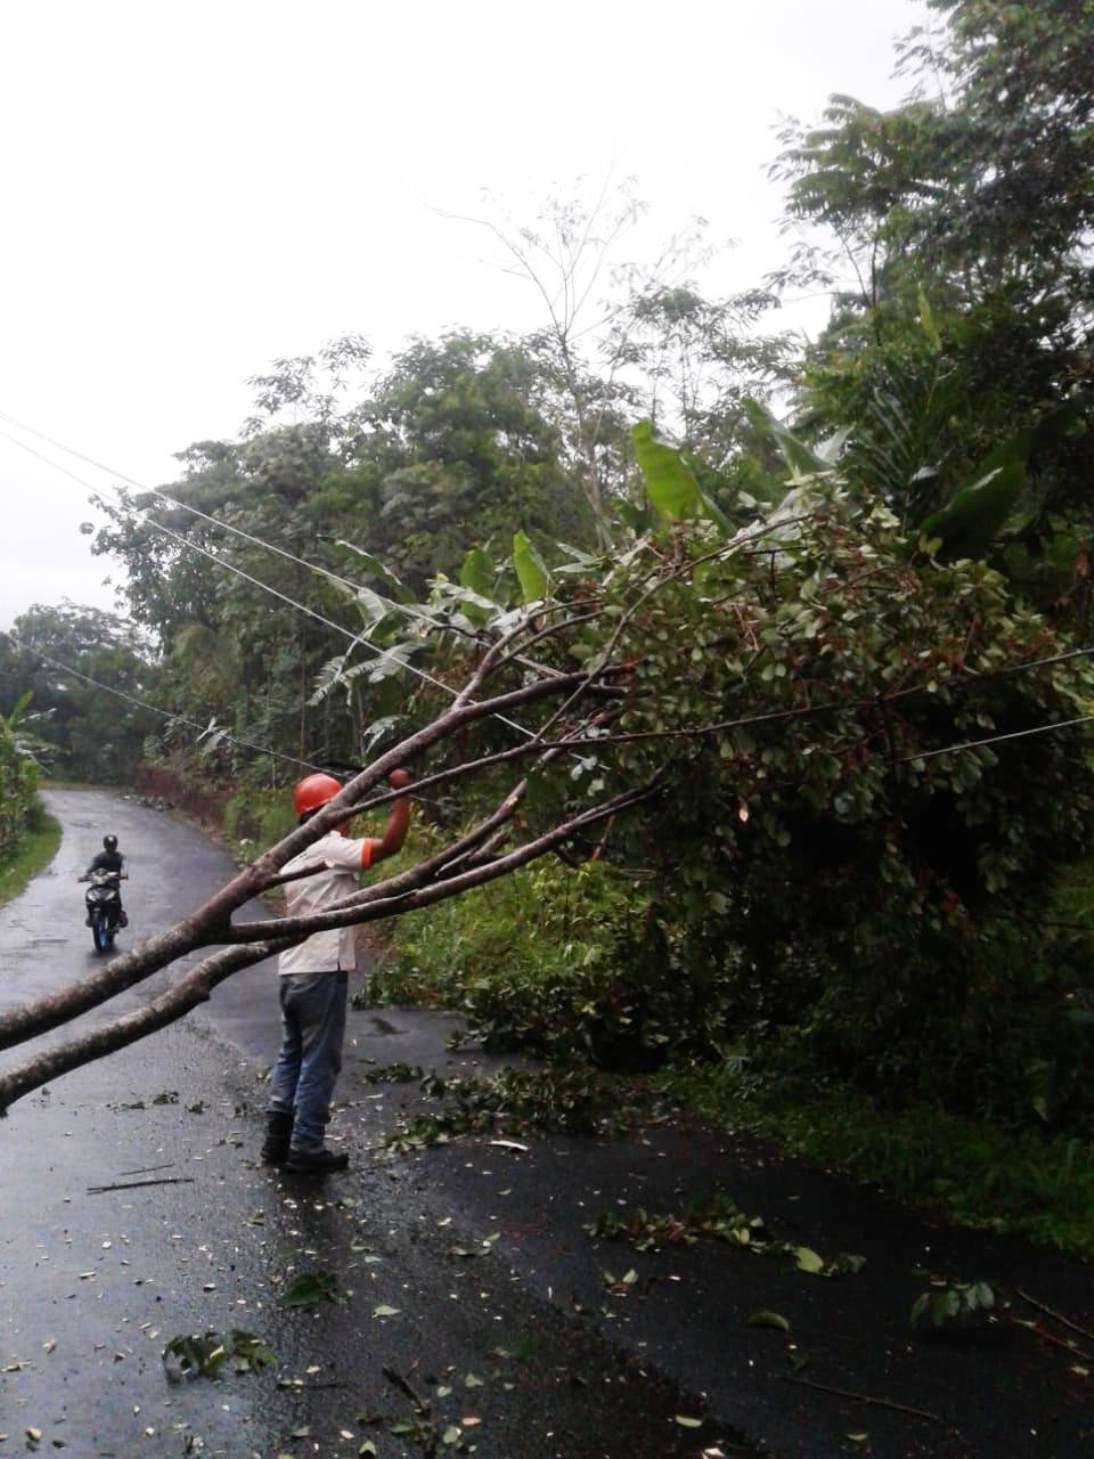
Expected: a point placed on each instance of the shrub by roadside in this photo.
(33, 853)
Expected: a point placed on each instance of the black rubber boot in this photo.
(275, 1147)
(315, 1162)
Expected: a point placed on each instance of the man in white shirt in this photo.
(314, 982)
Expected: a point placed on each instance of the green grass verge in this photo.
(36, 850)
(58, 782)
(1017, 1182)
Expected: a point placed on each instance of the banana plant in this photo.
(977, 512)
(970, 520)
(672, 485)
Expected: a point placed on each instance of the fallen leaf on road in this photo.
(686, 1421)
(385, 1311)
(769, 1319)
(310, 1287)
(807, 1259)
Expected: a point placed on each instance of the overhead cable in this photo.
(169, 713)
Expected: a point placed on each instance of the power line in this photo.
(169, 713)
(293, 759)
(1039, 729)
(356, 639)
(183, 506)
(359, 640)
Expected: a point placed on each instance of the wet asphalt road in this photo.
(520, 1334)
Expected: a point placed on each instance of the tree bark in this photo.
(259, 940)
(209, 924)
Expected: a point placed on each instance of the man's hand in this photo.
(397, 821)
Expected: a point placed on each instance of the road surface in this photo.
(463, 1271)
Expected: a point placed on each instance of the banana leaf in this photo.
(976, 513)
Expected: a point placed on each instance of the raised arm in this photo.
(397, 824)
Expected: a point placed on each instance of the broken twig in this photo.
(98, 1190)
(404, 1387)
(865, 1398)
(1056, 1316)
(1066, 1343)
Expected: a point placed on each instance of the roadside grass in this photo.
(1011, 1181)
(36, 850)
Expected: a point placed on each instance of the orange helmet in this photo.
(314, 791)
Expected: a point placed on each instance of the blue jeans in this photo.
(313, 1025)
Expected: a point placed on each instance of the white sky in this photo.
(190, 189)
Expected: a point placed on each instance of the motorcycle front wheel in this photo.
(102, 933)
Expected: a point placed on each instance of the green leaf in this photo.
(374, 568)
(975, 513)
(636, 518)
(531, 569)
(383, 1310)
(802, 459)
(713, 510)
(769, 1319)
(927, 321)
(310, 1287)
(670, 481)
(686, 1421)
(808, 1260)
(478, 574)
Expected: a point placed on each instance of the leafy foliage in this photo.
(574, 1100)
(953, 1304)
(19, 775)
(955, 232)
(716, 1217)
(89, 735)
(206, 1355)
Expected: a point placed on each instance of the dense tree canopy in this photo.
(817, 624)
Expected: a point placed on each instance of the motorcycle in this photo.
(104, 907)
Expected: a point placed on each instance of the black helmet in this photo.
(110, 842)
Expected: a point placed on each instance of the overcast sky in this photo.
(191, 189)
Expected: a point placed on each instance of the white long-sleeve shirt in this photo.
(341, 859)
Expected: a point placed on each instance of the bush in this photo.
(561, 963)
(19, 776)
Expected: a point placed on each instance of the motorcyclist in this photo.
(110, 860)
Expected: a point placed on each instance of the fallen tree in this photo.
(805, 703)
